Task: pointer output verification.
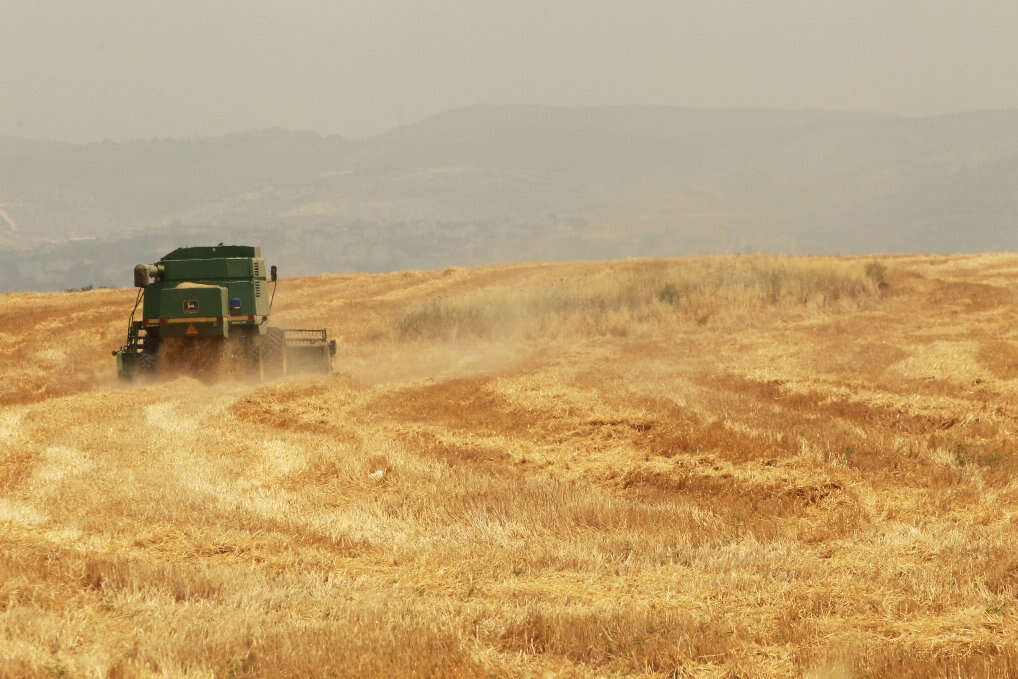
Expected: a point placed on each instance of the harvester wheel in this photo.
(256, 365)
(274, 353)
(248, 356)
(146, 363)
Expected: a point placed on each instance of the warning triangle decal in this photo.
(191, 330)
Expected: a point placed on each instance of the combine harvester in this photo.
(207, 308)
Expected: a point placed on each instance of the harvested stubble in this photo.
(815, 480)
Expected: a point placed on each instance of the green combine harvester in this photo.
(206, 310)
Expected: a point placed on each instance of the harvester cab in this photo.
(203, 307)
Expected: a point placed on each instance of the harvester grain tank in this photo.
(202, 307)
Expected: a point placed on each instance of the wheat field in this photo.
(718, 467)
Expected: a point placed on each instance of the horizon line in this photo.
(281, 129)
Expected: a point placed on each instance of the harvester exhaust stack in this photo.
(201, 302)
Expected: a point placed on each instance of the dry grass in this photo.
(624, 298)
(583, 480)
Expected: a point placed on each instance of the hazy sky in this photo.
(137, 68)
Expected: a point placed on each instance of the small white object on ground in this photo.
(377, 474)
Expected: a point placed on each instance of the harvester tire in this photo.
(248, 355)
(274, 353)
(146, 364)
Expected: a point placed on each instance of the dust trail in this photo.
(396, 362)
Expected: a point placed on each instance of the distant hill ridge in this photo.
(513, 183)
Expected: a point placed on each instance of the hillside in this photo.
(501, 184)
(738, 466)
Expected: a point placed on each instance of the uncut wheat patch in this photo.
(629, 298)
